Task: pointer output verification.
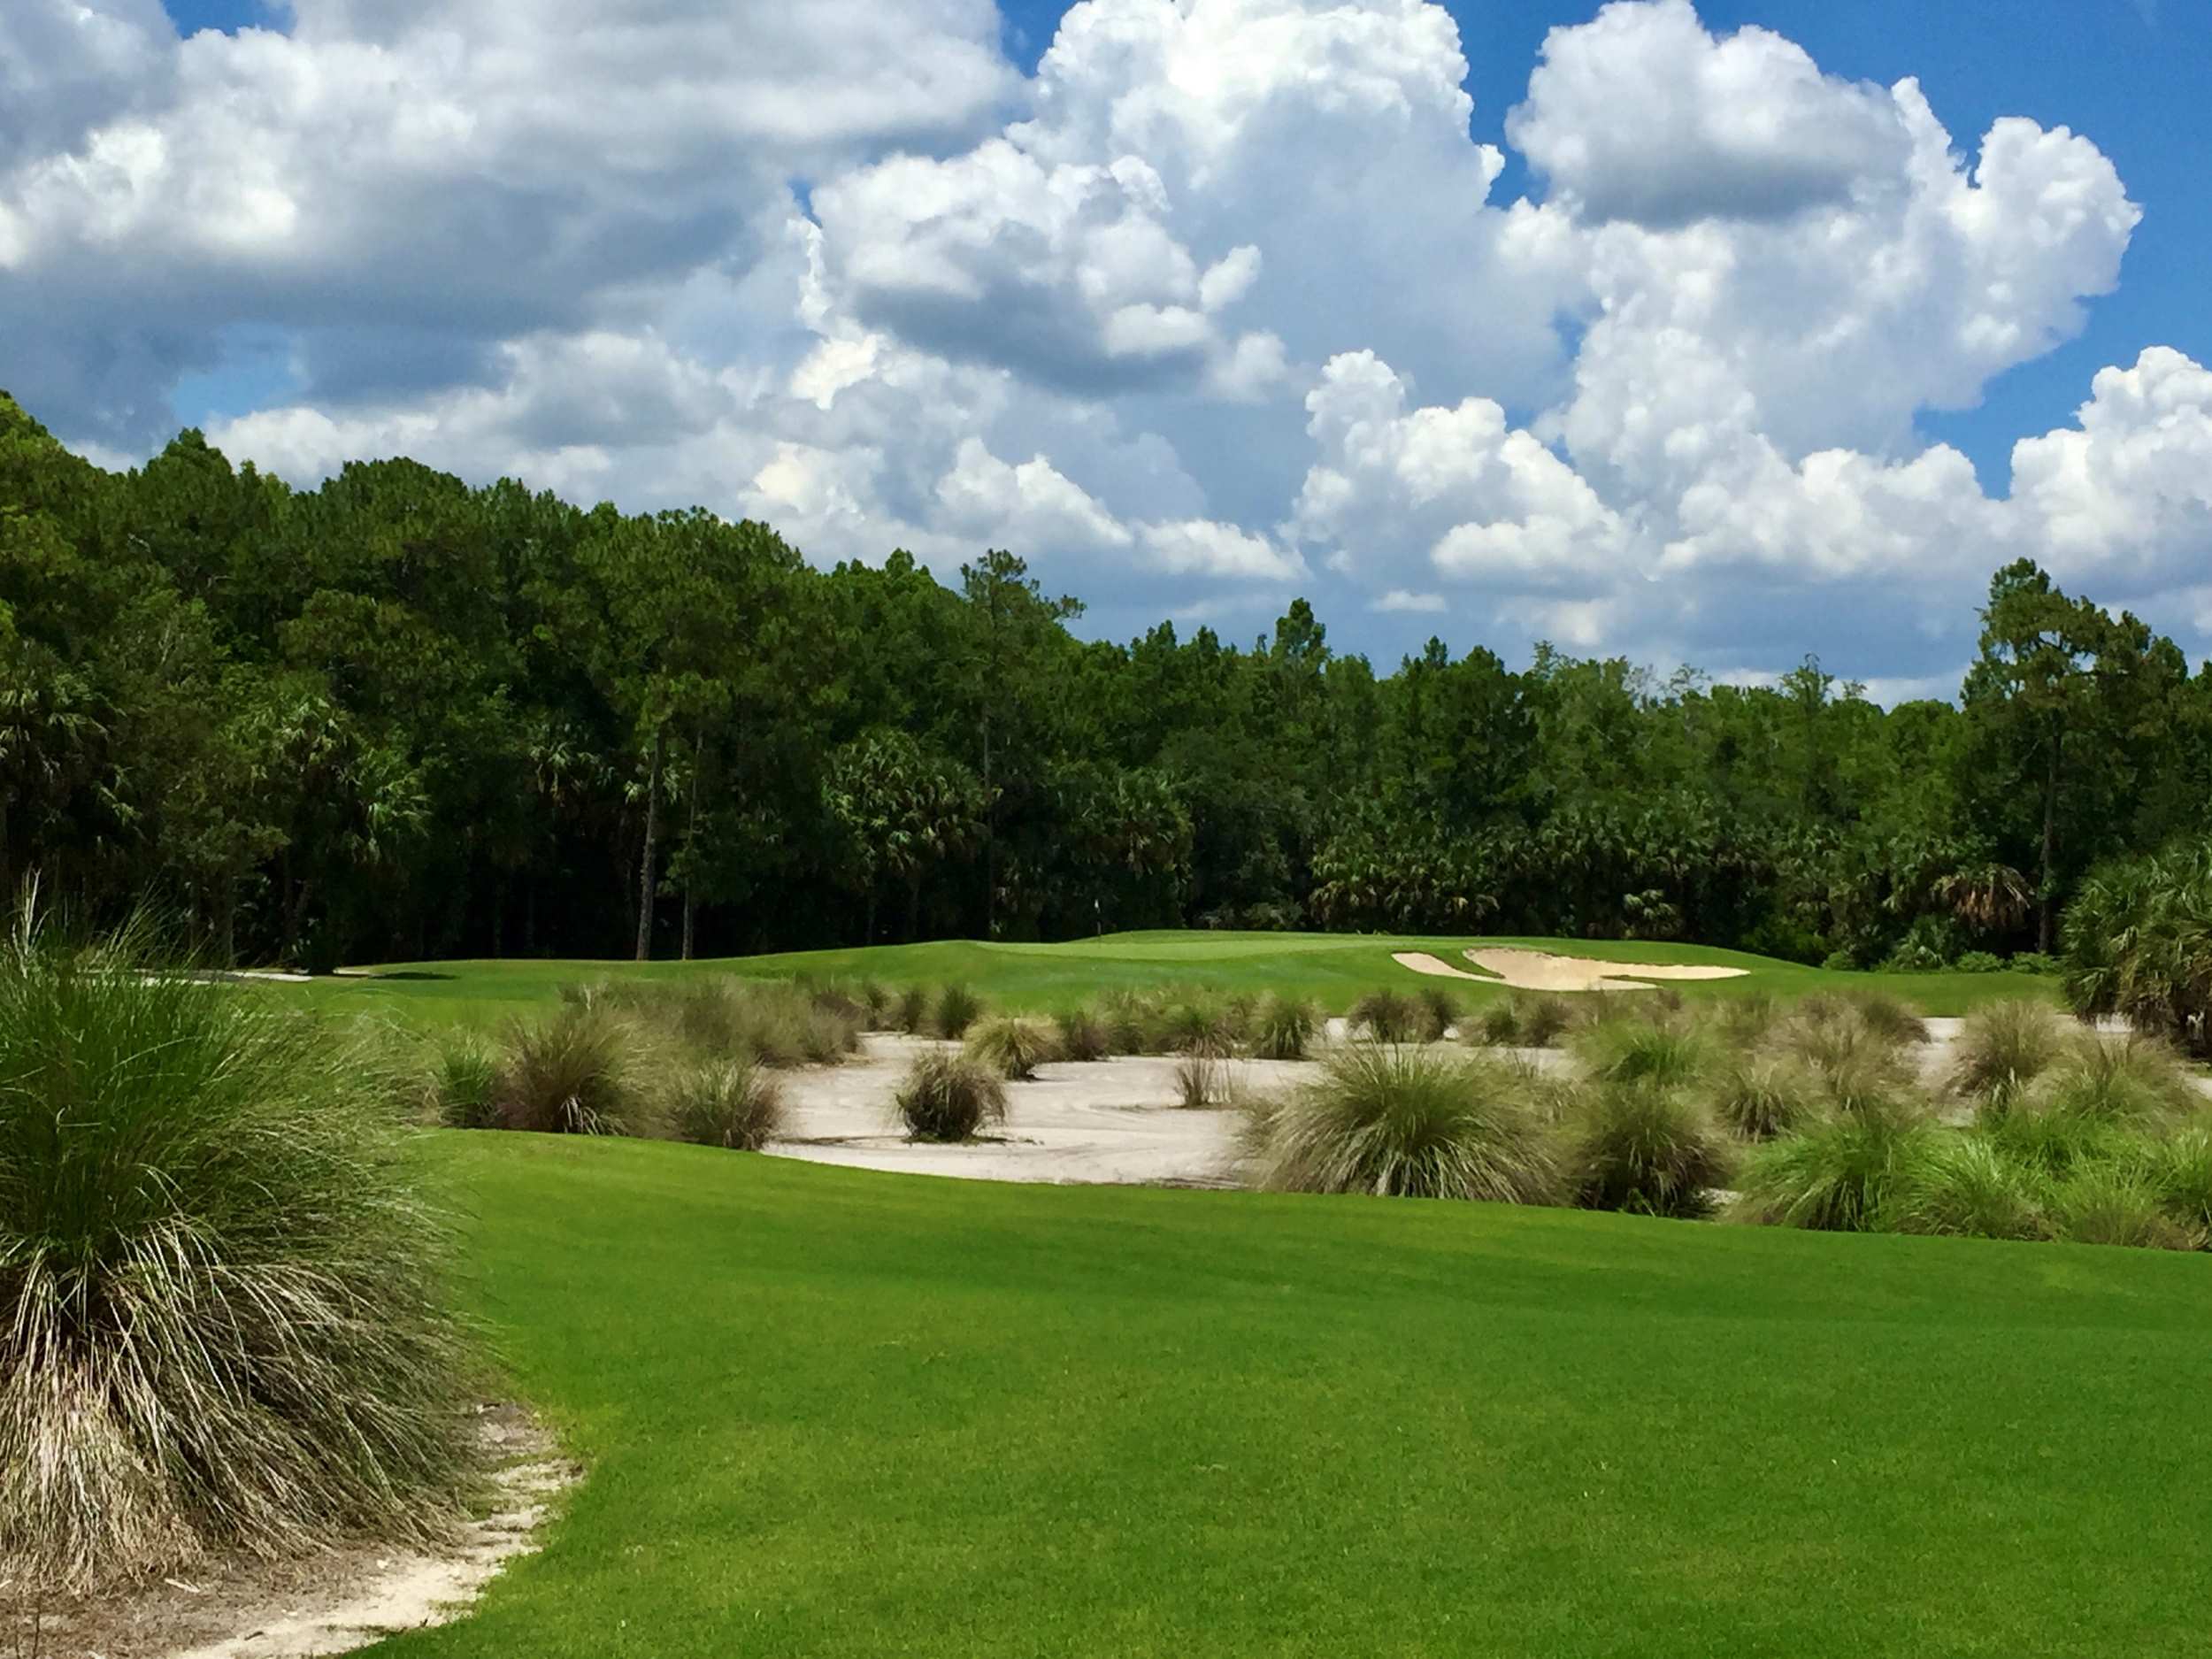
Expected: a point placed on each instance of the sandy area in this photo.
(333, 1602)
(1540, 970)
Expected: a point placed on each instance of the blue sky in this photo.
(1724, 349)
(2134, 75)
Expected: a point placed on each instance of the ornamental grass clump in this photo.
(1647, 1148)
(909, 1011)
(949, 1096)
(463, 1085)
(1385, 1017)
(1436, 1014)
(2002, 1048)
(2136, 1080)
(1013, 1046)
(2180, 1171)
(1194, 1023)
(1968, 1187)
(577, 1072)
(957, 1008)
(2119, 1203)
(1283, 1028)
(1837, 1176)
(1408, 1123)
(1081, 1035)
(734, 1103)
(1635, 1048)
(222, 1323)
(1757, 1096)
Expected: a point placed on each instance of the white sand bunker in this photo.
(1540, 970)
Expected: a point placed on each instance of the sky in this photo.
(1718, 334)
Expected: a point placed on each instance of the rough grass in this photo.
(222, 1323)
(949, 1096)
(1646, 1148)
(1012, 1046)
(1400, 1122)
(734, 1103)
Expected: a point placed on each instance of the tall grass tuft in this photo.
(222, 1322)
(957, 1008)
(1757, 1096)
(1201, 1079)
(2181, 1170)
(464, 1086)
(1128, 1018)
(1012, 1047)
(1968, 1187)
(1406, 1123)
(1888, 1018)
(1283, 1028)
(2136, 1080)
(576, 1071)
(1835, 1177)
(1644, 1148)
(1635, 1048)
(1385, 1017)
(2002, 1048)
(910, 1010)
(1436, 1013)
(947, 1096)
(2117, 1204)
(734, 1104)
(1196, 1024)
(1081, 1035)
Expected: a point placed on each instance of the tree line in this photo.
(397, 718)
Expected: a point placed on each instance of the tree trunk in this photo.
(2050, 845)
(990, 838)
(691, 855)
(226, 919)
(646, 863)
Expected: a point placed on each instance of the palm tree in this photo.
(1988, 897)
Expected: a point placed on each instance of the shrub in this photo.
(735, 1103)
(573, 1072)
(1082, 1036)
(2112, 1204)
(1839, 962)
(1637, 1048)
(2138, 943)
(2035, 962)
(1647, 1148)
(222, 1319)
(910, 1010)
(1758, 1096)
(1283, 1027)
(1834, 1176)
(464, 1082)
(1406, 1123)
(1967, 1188)
(1013, 1048)
(1436, 1012)
(949, 1097)
(1979, 961)
(1385, 1017)
(2002, 1048)
(957, 1008)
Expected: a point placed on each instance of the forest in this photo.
(397, 717)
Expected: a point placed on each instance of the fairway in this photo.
(830, 1412)
(1333, 969)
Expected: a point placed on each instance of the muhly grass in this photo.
(1283, 1028)
(958, 1008)
(1757, 1095)
(1966, 1186)
(909, 1011)
(2136, 1080)
(949, 1096)
(1013, 1046)
(1386, 1017)
(1400, 1122)
(1636, 1047)
(2119, 1205)
(1834, 1176)
(736, 1104)
(222, 1320)
(578, 1070)
(1646, 1148)
(463, 1090)
(1081, 1035)
(2003, 1048)
(1436, 1013)
(1201, 1079)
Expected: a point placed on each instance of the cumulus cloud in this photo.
(1216, 305)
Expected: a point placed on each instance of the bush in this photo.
(2138, 941)
(1405, 1123)
(1436, 1012)
(1083, 1036)
(1835, 1177)
(2111, 1204)
(1636, 1049)
(1758, 1096)
(1647, 1148)
(1979, 962)
(1967, 1188)
(1385, 1017)
(735, 1103)
(2035, 962)
(1013, 1048)
(949, 1097)
(1839, 962)
(1283, 1027)
(2002, 1048)
(957, 1008)
(222, 1319)
(573, 1072)
(464, 1082)
(910, 1010)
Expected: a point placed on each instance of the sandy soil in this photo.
(333, 1602)
(1539, 971)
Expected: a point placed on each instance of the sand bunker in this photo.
(1540, 970)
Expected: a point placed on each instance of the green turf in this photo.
(1334, 969)
(832, 1412)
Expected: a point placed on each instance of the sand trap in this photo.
(331, 1603)
(1540, 970)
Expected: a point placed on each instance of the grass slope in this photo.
(1333, 969)
(836, 1412)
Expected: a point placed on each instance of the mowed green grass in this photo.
(1333, 969)
(833, 1412)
